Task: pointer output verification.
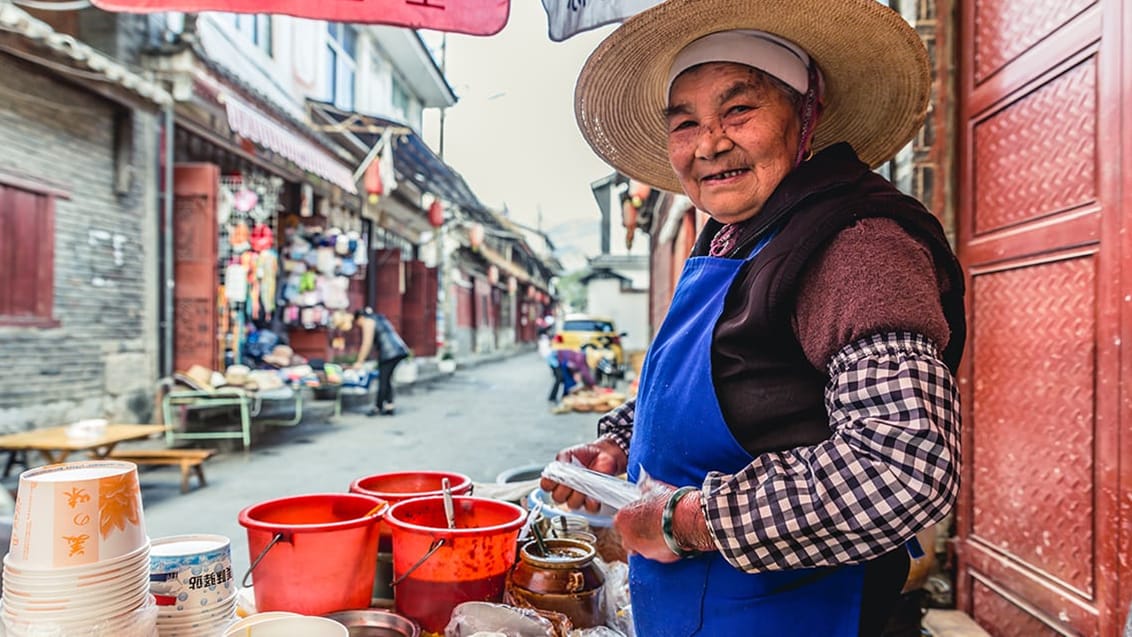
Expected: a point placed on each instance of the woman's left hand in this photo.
(639, 524)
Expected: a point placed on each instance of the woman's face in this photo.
(732, 137)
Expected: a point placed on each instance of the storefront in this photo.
(270, 245)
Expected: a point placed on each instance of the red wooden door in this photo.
(1039, 232)
(413, 307)
(194, 266)
(390, 284)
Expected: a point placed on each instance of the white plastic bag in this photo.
(472, 618)
(612, 492)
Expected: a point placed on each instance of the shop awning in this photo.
(412, 157)
(248, 122)
(70, 51)
(474, 17)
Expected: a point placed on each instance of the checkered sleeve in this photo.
(617, 425)
(890, 468)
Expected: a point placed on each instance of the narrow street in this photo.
(478, 421)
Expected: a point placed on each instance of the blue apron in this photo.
(679, 436)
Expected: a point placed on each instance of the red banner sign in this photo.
(474, 17)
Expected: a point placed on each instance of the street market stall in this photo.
(406, 554)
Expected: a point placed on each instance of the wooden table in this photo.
(54, 445)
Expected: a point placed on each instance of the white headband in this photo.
(768, 53)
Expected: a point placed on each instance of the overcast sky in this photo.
(512, 134)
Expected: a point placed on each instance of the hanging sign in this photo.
(566, 18)
(474, 17)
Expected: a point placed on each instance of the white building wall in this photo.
(297, 65)
(629, 310)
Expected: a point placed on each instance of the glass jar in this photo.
(564, 580)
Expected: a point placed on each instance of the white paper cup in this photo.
(191, 571)
(291, 626)
(76, 514)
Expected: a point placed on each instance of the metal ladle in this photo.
(449, 509)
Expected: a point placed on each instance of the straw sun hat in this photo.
(876, 72)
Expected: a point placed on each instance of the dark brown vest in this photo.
(811, 206)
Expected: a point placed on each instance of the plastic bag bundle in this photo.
(612, 492)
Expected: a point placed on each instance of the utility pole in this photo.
(444, 74)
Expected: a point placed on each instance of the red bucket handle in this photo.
(436, 544)
(274, 539)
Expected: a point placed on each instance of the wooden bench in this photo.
(190, 460)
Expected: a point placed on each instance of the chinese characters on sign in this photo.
(473, 17)
(208, 580)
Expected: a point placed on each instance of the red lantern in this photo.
(512, 284)
(475, 235)
(435, 214)
(372, 181)
(492, 274)
(638, 193)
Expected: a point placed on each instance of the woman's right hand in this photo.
(602, 455)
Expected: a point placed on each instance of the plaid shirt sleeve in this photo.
(617, 425)
(890, 469)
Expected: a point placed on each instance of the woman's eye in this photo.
(684, 125)
(739, 109)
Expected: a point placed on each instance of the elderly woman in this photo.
(797, 415)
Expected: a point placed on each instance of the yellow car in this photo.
(598, 337)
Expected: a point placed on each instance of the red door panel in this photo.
(1040, 227)
(194, 266)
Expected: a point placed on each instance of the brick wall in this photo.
(101, 359)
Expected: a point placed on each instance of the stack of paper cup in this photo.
(79, 557)
(191, 578)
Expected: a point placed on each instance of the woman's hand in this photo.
(601, 455)
(639, 524)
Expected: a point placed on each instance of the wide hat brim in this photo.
(876, 71)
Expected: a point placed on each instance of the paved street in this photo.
(479, 421)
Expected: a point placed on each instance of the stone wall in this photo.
(100, 361)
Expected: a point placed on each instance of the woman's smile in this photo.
(732, 138)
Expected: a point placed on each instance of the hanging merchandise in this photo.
(245, 200)
(262, 238)
(342, 245)
(361, 250)
(224, 205)
(236, 283)
(335, 292)
(327, 262)
(239, 237)
(348, 267)
(267, 267)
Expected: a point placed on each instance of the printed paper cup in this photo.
(191, 571)
(76, 514)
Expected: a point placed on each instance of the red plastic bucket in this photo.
(404, 485)
(397, 487)
(314, 554)
(437, 568)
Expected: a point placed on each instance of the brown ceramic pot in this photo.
(565, 580)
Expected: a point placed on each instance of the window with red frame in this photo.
(27, 252)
